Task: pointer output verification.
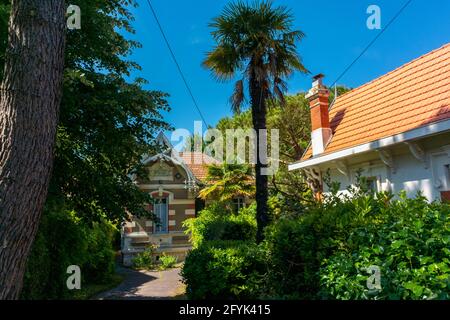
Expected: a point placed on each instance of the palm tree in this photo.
(257, 41)
(228, 181)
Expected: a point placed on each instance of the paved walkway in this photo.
(151, 285)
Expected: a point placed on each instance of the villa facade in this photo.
(173, 180)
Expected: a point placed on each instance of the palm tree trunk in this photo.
(259, 112)
(30, 95)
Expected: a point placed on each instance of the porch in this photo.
(174, 243)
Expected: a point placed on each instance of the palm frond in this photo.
(257, 40)
(227, 181)
(238, 96)
(223, 62)
(279, 88)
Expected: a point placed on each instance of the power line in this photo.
(176, 63)
(373, 41)
(360, 55)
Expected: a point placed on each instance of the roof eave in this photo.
(420, 132)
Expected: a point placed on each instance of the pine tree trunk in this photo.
(259, 112)
(30, 95)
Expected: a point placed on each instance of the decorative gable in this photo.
(161, 171)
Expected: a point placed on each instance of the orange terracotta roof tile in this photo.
(198, 163)
(414, 95)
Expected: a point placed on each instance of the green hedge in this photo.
(291, 247)
(63, 240)
(224, 270)
(325, 253)
(408, 239)
(216, 222)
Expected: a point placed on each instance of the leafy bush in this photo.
(224, 270)
(63, 240)
(293, 264)
(167, 261)
(409, 241)
(145, 259)
(216, 222)
(99, 264)
(325, 253)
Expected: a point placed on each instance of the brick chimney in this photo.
(320, 122)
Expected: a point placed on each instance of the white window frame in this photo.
(238, 203)
(156, 225)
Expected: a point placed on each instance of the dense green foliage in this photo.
(224, 270)
(106, 123)
(218, 222)
(291, 247)
(325, 252)
(64, 240)
(225, 263)
(408, 240)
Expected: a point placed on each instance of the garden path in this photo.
(150, 285)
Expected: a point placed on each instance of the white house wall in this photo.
(412, 176)
(409, 173)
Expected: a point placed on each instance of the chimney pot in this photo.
(317, 80)
(320, 122)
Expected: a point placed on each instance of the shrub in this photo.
(216, 222)
(293, 264)
(63, 240)
(225, 270)
(325, 253)
(167, 261)
(145, 259)
(99, 265)
(60, 242)
(408, 240)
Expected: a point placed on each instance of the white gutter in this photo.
(420, 132)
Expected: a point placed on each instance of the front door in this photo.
(161, 212)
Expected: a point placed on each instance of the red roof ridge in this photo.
(205, 156)
(198, 162)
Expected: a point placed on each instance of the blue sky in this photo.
(336, 33)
